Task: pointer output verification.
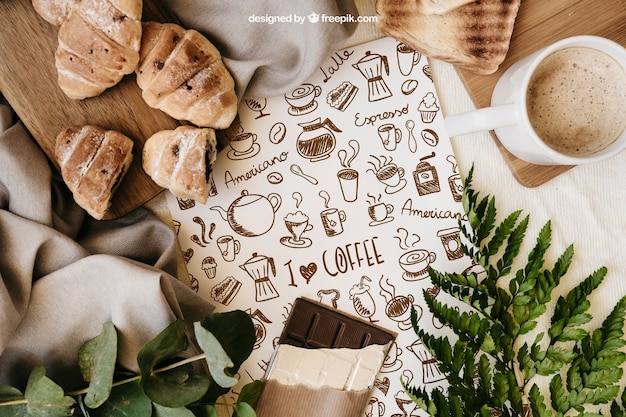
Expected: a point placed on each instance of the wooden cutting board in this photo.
(538, 24)
(28, 82)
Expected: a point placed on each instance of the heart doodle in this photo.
(307, 271)
(187, 255)
(383, 385)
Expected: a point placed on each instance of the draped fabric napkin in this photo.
(65, 274)
(268, 59)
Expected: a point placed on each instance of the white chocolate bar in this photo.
(341, 368)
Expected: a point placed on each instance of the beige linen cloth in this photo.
(268, 59)
(65, 274)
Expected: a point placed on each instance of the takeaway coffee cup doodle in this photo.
(562, 105)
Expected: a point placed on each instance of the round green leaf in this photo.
(216, 357)
(96, 359)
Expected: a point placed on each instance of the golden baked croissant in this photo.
(54, 11)
(181, 160)
(93, 162)
(98, 44)
(181, 73)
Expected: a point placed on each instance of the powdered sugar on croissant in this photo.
(54, 11)
(181, 160)
(98, 44)
(181, 73)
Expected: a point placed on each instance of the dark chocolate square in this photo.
(314, 325)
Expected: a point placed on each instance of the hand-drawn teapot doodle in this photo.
(251, 214)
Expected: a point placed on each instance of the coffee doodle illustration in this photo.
(455, 181)
(209, 266)
(451, 241)
(251, 214)
(185, 203)
(259, 268)
(348, 177)
(362, 299)
(229, 247)
(375, 408)
(392, 362)
(379, 211)
(409, 86)
(398, 306)
(427, 72)
(388, 173)
(297, 197)
(373, 66)
(426, 177)
(277, 133)
(297, 224)
(430, 137)
(428, 108)
(329, 175)
(317, 140)
(382, 384)
(203, 231)
(187, 255)
(405, 237)
(196, 239)
(430, 370)
(329, 296)
(243, 146)
(415, 264)
(275, 178)
(307, 271)
(257, 105)
(390, 136)
(341, 97)
(407, 407)
(302, 100)
(332, 218)
(259, 320)
(225, 291)
(194, 283)
(297, 170)
(410, 125)
(408, 58)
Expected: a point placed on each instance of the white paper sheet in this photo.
(345, 201)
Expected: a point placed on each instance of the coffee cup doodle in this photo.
(380, 213)
(297, 224)
(390, 136)
(388, 173)
(244, 145)
(302, 100)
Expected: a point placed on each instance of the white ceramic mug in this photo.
(508, 115)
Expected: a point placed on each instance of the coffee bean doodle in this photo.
(277, 133)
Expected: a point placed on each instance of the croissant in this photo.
(54, 11)
(181, 73)
(181, 160)
(98, 44)
(93, 163)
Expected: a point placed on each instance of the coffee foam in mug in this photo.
(576, 100)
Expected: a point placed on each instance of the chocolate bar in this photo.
(314, 325)
(325, 364)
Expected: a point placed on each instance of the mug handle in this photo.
(480, 120)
